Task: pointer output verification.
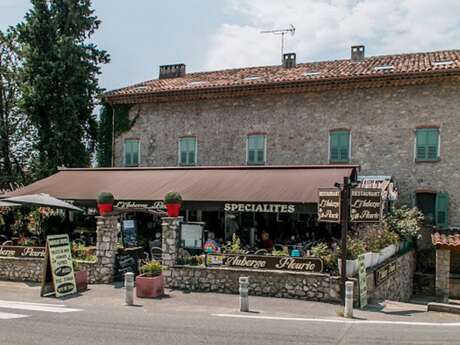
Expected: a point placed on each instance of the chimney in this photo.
(172, 71)
(357, 53)
(289, 60)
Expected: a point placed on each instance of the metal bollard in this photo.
(129, 288)
(348, 312)
(244, 292)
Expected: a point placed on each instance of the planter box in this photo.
(149, 287)
(81, 280)
(352, 267)
(387, 252)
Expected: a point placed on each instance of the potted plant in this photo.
(173, 203)
(81, 277)
(105, 202)
(150, 283)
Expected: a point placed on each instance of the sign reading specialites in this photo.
(268, 262)
(329, 205)
(58, 262)
(22, 252)
(265, 208)
(381, 274)
(365, 205)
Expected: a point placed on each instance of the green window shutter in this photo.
(427, 144)
(187, 151)
(256, 149)
(339, 147)
(131, 152)
(442, 208)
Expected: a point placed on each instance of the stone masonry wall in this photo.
(106, 246)
(305, 286)
(382, 123)
(21, 269)
(399, 286)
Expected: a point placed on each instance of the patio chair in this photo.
(261, 252)
(155, 253)
(7, 243)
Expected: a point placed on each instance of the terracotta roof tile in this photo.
(410, 64)
(451, 238)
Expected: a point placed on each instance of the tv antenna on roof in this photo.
(281, 32)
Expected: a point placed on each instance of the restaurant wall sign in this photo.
(266, 262)
(329, 205)
(265, 208)
(383, 273)
(366, 205)
(141, 205)
(22, 252)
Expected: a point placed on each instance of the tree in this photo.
(104, 136)
(16, 133)
(60, 83)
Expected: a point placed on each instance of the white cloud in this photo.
(325, 29)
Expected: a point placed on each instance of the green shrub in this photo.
(279, 253)
(328, 256)
(151, 269)
(406, 222)
(105, 198)
(173, 198)
(355, 248)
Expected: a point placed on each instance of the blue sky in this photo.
(140, 35)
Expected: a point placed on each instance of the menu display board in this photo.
(191, 236)
(329, 205)
(127, 261)
(129, 233)
(366, 205)
(58, 266)
(362, 275)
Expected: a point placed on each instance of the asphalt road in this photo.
(98, 317)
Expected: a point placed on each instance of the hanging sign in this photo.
(266, 262)
(58, 274)
(362, 275)
(329, 205)
(365, 205)
(129, 233)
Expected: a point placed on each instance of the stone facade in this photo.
(106, 249)
(21, 269)
(399, 286)
(382, 123)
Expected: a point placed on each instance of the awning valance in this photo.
(293, 184)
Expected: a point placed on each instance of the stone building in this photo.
(392, 115)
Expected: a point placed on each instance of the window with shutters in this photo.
(427, 144)
(256, 149)
(434, 207)
(131, 152)
(339, 146)
(187, 151)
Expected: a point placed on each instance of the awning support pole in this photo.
(345, 199)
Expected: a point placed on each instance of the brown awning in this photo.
(293, 184)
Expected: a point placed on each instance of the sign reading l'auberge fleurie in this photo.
(266, 262)
(365, 205)
(329, 205)
(22, 252)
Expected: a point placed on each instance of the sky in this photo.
(207, 35)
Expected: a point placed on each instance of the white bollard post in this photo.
(348, 312)
(244, 293)
(129, 288)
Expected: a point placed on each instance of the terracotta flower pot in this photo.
(81, 280)
(149, 287)
(105, 208)
(173, 209)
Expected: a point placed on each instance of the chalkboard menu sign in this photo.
(129, 232)
(127, 261)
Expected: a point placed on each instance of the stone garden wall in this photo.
(306, 286)
(21, 269)
(399, 286)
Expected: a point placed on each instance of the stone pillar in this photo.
(170, 243)
(442, 274)
(106, 248)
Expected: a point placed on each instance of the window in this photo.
(131, 152)
(256, 149)
(187, 151)
(339, 147)
(435, 207)
(427, 144)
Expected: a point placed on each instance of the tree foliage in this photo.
(60, 80)
(16, 133)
